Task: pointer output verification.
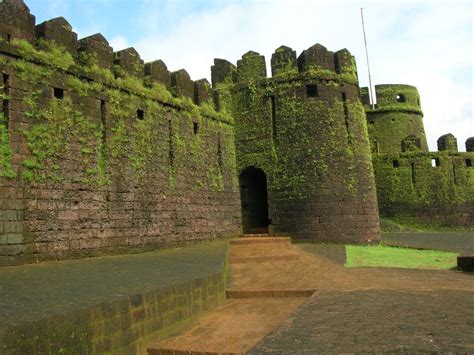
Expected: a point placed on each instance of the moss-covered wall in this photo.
(436, 188)
(305, 128)
(97, 159)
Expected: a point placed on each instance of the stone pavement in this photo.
(461, 242)
(375, 321)
(366, 310)
(32, 292)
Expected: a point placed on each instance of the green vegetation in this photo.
(6, 169)
(416, 184)
(384, 256)
(70, 129)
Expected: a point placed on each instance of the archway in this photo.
(253, 195)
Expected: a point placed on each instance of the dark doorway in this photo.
(253, 194)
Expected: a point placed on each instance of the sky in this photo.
(428, 44)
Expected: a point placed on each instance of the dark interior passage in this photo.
(253, 194)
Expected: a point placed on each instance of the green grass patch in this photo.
(384, 256)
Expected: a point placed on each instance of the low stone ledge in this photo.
(466, 263)
(269, 293)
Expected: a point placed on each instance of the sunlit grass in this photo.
(384, 256)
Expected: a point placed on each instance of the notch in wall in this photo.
(400, 98)
(170, 144)
(58, 93)
(6, 99)
(220, 160)
(274, 125)
(312, 90)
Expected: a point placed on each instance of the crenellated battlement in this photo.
(17, 24)
(59, 31)
(393, 97)
(16, 21)
(447, 142)
(129, 61)
(470, 144)
(315, 62)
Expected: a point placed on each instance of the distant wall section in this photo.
(431, 187)
(395, 124)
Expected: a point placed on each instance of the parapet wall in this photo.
(97, 155)
(436, 188)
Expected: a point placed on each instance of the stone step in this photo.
(172, 351)
(259, 240)
(254, 235)
(262, 259)
(269, 293)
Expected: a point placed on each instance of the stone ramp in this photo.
(262, 249)
(250, 312)
(233, 328)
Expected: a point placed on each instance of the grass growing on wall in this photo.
(384, 256)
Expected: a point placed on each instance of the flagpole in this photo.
(367, 57)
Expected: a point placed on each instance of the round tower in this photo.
(395, 124)
(303, 130)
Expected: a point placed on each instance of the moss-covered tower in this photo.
(304, 130)
(396, 122)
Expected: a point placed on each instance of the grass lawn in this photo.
(384, 256)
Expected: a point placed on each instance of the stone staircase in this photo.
(253, 309)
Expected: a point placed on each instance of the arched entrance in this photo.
(253, 195)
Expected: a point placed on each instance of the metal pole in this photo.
(367, 57)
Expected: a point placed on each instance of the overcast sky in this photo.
(428, 44)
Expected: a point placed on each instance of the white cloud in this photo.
(425, 44)
(118, 43)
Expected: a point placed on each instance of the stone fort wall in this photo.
(412, 182)
(101, 153)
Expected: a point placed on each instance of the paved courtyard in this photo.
(282, 298)
(356, 310)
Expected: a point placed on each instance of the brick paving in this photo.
(461, 242)
(377, 321)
